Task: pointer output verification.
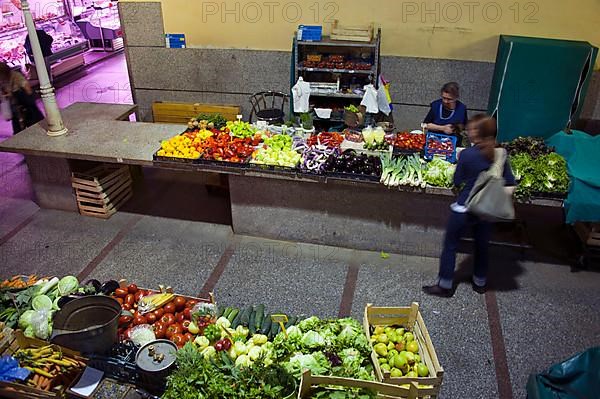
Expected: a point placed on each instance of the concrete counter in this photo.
(279, 204)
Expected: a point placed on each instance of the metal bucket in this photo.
(87, 325)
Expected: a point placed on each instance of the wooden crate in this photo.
(181, 113)
(352, 33)
(589, 233)
(388, 391)
(101, 191)
(409, 318)
(16, 390)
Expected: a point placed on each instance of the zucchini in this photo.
(265, 328)
(233, 314)
(245, 320)
(251, 321)
(237, 320)
(272, 330)
(276, 328)
(221, 311)
(291, 321)
(260, 314)
(227, 311)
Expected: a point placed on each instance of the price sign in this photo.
(281, 319)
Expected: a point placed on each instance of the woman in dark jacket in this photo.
(472, 161)
(15, 90)
(447, 115)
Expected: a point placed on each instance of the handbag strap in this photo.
(497, 168)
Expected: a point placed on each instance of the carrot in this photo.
(36, 379)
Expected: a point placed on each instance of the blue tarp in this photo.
(582, 153)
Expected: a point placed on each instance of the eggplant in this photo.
(94, 283)
(109, 287)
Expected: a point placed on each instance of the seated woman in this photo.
(447, 115)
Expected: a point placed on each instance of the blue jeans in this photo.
(457, 226)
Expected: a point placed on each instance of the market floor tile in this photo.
(165, 251)
(13, 212)
(57, 243)
(287, 277)
(552, 316)
(458, 326)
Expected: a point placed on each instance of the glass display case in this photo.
(49, 16)
(100, 23)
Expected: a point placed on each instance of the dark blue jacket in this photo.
(442, 116)
(470, 164)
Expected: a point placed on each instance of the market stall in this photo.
(63, 338)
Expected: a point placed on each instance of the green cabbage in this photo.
(313, 340)
(68, 285)
(309, 324)
(25, 319)
(316, 362)
(439, 173)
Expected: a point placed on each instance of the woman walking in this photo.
(471, 163)
(17, 92)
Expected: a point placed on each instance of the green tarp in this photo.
(539, 85)
(582, 153)
(576, 378)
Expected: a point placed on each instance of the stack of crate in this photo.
(101, 191)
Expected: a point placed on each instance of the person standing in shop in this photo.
(447, 115)
(471, 162)
(45, 44)
(17, 92)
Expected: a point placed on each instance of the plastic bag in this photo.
(142, 334)
(5, 109)
(10, 370)
(40, 323)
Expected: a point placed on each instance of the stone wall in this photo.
(230, 76)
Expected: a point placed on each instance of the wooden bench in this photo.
(181, 113)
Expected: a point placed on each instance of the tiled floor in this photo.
(537, 313)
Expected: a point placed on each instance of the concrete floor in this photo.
(537, 313)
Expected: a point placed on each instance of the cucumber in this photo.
(233, 314)
(237, 320)
(227, 311)
(251, 321)
(245, 320)
(272, 330)
(291, 321)
(221, 311)
(260, 314)
(275, 328)
(265, 328)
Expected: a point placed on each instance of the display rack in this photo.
(346, 66)
(68, 46)
(101, 25)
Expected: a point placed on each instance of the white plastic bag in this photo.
(40, 323)
(370, 100)
(301, 94)
(5, 109)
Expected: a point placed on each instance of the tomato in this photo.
(187, 313)
(160, 330)
(139, 295)
(188, 337)
(130, 299)
(121, 292)
(179, 303)
(168, 319)
(178, 339)
(185, 325)
(159, 313)
(173, 329)
(180, 317)
(126, 306)
(151, 317)
(191, 303)
(132, 288)
(169, 308)
(127, 334)
(120, 300)
(139, 319)
(124, 320)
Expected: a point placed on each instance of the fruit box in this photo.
(19, 390)
(409, 318)
(309, 382)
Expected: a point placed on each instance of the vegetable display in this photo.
(240, 129)
(402, 171)
(409, 141)
(277, 151)
(374, 139)
(439, 173)
(315, 158)
(533, 146)
(328, 139)
(353, 163)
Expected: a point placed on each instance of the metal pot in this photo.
(87, 325)
(155, 361)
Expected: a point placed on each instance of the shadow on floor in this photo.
(179, 195)
(504, 270)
